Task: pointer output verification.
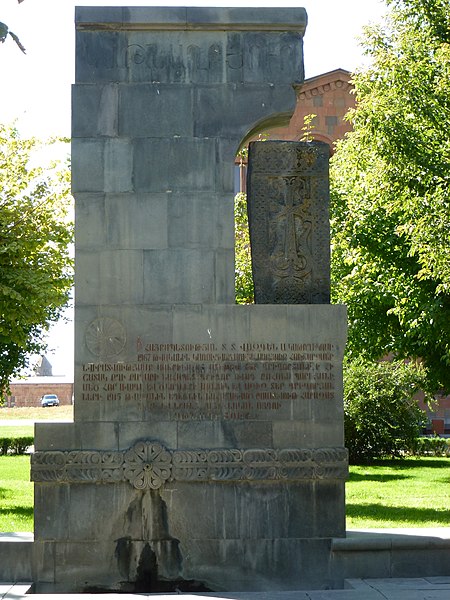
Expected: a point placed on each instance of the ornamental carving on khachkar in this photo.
(288, 213)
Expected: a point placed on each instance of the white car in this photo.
(49, 400)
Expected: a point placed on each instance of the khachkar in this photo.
(207, 445)
(288, 199)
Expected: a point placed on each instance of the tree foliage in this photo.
(243, 262)
(5, 31)
(390, 192)
(382, 417)
(35, 233)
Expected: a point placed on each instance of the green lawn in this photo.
(16, 431)
(16, 494)
(409, 493)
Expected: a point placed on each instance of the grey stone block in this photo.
(273, 57)
(227, 149)
(43, 563)
(90, 229)
(286, 564)
(327, 409)
(231, 110)
(195, 164)
(172, 17)
(155, 110)
(163, 432)
(51, 525)
(87, 165)
(249, 17)
(292, 434)
(135, 221)
(191, 281)
(110, 277)
(361, 564)
(118, 165)
(87, 501)
(15, 563)
(100, 57)
(85, 15)
(98, 436)
(224, 434)
(190, 217)
(429, 560)
(95, 110)
(77, 564)
(194, 159)
(55, 436)
(224, 276)
(162, 16)
(151, 165)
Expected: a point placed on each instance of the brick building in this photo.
(28, 392)
(329, 97)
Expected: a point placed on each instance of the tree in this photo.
(390, 193)
(243, 262)
(35, 233)
(5, 31)
(381, 416)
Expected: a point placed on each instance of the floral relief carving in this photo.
(149, 465)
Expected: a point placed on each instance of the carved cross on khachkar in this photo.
(288, 212)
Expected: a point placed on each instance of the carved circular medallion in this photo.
(105, 337)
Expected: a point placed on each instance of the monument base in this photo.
(207, 455)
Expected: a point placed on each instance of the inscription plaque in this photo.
(288, 213)
(233, 381)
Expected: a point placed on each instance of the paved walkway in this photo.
(430, 588)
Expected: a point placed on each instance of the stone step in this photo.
(15, 556)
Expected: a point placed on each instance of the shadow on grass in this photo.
(376, 512)
(17, 511)
(372, 477)
(399, 464)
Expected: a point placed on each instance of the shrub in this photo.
(381, 416)
(434, 446)
(15, 445)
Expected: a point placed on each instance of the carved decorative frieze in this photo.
(149, 465)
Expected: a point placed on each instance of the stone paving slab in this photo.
(431, 588)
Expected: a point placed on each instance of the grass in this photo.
(37, 413)
(409, 493)
(16, 430)
(16, 494)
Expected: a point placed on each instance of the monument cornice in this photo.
(149, 465)
(191, 19)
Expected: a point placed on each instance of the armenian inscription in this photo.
(237, 56)
(243, 381)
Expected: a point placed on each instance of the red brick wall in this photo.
(29, 394)
(329, 97)
(438, 414)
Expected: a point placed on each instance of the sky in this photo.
(36, 86)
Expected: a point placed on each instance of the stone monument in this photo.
(206, 451)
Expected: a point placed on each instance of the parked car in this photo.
(49, 400)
